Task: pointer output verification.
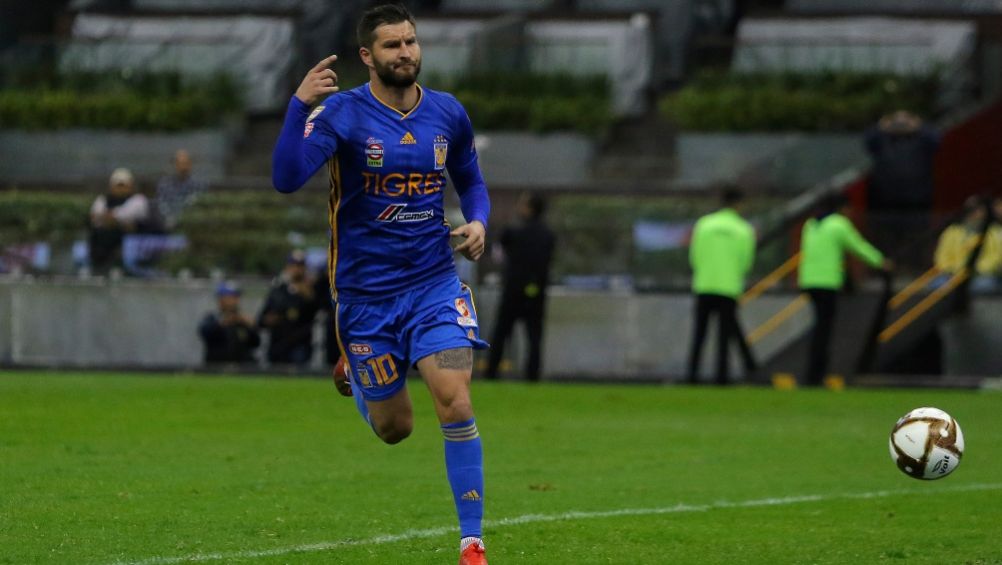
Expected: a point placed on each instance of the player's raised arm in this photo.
(294, 160)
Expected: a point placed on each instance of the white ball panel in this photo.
(911, 439)
(928, 412)
(941, 463)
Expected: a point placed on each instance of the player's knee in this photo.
(394, 436)
(395, 430)
(457, 410)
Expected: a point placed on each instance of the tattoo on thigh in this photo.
(461, 358)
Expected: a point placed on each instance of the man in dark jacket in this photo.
(288, 313)
(901, 190)
(528, 249)
(229, 335)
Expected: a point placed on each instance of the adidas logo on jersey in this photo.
(471, 495)
(407, 139)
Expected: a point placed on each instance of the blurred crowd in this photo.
(295, 302)
(122, 210)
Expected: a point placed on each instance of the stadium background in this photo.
(639, 109)
(118, 446)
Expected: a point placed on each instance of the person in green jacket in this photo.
(721, 253)
(823, 243)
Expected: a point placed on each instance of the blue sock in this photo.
(363, 408)
(464, 463)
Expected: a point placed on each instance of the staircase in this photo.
(252, 155)
(638, 153)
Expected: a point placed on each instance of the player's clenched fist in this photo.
(473, 247)
(319, 83)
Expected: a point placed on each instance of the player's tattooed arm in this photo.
(461, 359)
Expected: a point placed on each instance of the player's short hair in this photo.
(832, 202)
(385, 14)
(537, 205)
(731, 195)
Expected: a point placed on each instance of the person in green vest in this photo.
(823, 243)
(721, 253)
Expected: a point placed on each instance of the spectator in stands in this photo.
(823, 243)
(900, 192)
(721, 253)
(975, 233)
(228, 334)
(288, 313)
(177, 191)
(120, 211)
(528, 251)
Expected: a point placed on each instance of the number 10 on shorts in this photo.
(383, 368)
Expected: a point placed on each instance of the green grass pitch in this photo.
(103, 469)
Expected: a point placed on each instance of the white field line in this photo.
(407, 535)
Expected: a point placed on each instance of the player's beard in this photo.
(397, 78)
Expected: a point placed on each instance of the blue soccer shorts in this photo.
(381, 339)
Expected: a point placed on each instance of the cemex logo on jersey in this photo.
(396, 213)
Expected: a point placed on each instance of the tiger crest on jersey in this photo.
(441, 151)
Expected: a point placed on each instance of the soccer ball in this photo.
(927, 443)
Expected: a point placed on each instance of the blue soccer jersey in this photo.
(387, 176)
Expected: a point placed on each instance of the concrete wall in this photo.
(540, 160)
(589, 335)
(783, 162)
(80, 155)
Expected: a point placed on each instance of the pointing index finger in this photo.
(325, 63)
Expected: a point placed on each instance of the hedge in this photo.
(533, 102)
(249, 232)
(169, 102)
(33, 216)
(596, 235)
(795, 102)
(148, 102)
(241, 232)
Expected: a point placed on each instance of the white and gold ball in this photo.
(927, 443)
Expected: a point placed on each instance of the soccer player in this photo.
(398, 301)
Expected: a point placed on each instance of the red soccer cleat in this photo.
(341, 378)
(474, 554)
